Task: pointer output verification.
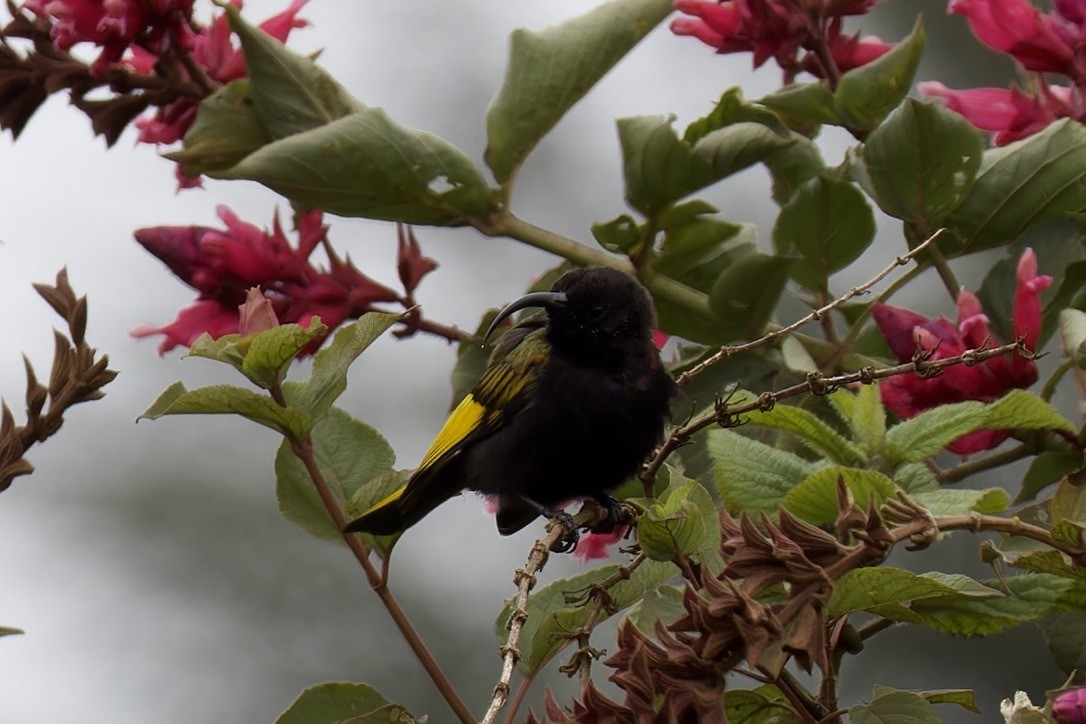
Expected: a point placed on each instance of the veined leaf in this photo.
(752, 476)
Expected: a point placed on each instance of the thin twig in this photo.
(303, 449)
(977, 465)
(816, 315)
(525, 579)
(729, 415)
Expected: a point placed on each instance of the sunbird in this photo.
(571, 403)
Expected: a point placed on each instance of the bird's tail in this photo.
(408, 505)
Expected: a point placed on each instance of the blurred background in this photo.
(148, 563)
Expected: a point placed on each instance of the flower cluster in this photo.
(151, 54)
(800, 35)
(1070, 706)
(223, 264)
(907, 332)
(679, 674)
(1040, 43)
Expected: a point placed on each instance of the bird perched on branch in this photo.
(570, 405)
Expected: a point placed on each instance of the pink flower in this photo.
(410, 262)
(213, 50)
(256, 314)
(1070, 707)
(222, 265)
(1036, 40)
(906, 332)
(780, 29)
(1011, 114)
(595, 545)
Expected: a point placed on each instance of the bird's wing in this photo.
(503, 389)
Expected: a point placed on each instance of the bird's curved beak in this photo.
(547, 300)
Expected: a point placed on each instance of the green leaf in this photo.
(1035, 556)
(1037, 178)
(226, 130)
(227, 399)
(663, 604)
(331, 363)
(1031, 597)
(365, 164)
(1064, 634)
(683, 520)
(929, 432)
(965, 698)
(867, 417)
(889, 592)
(815, 434)
(268, 354)
(1045, 469)
(792, 167)
(349, 454)
(915, 478)
(922, 162)
(829, 224)
(1069, 301)
(751, 476)
(292, 93)
(895, 707)
(660, 168)
(865, 95)
(803, 106)
(746, 293)
(954, 501)
(552, 69)
(1069, 503)
(762, 705)
(336, 701)
(815, 498)
(619, 235)
(558, 609)
(731, 109)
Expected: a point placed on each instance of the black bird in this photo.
(570, 405)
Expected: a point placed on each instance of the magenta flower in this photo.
(1070, 707)
(1009, 114)
(222, 265)
(213, 50)
(906, 332)
(780, 29)
(593, 546)
(1040, 42)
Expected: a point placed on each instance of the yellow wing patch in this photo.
(392, 498)
(466, 418)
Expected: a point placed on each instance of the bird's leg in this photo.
(568, 542)
(611, 507)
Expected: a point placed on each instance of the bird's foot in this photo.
(614, 512)
(570, 537)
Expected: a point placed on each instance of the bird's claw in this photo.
(570, 537)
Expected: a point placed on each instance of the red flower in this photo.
(1070, 707)
(906, 332)
(213, 50)
(224, 264)
(592, 546)
(780, 29)
(410, 262)
(1038, 41)
(1011, 114)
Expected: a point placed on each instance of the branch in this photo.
(525, 580)
(582, 255)
(920, 528)
(727, 415)
(303, 448)
(78, 375)
(814, 316)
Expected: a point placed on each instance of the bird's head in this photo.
(596, 316)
